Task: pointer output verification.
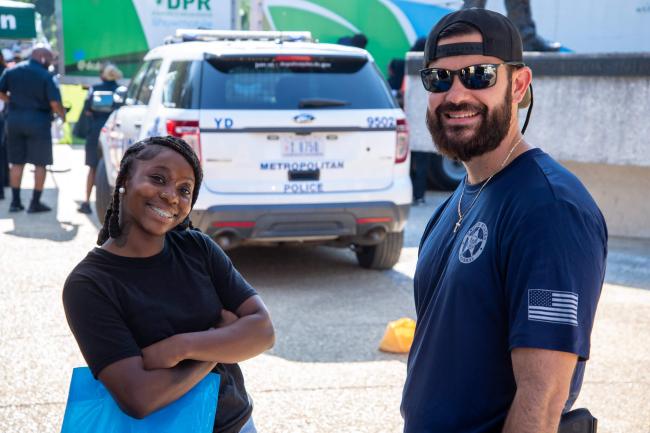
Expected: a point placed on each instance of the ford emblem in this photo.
(303, 118)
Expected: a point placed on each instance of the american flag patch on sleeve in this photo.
(553, 306)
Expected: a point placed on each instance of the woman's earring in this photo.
(121, 190)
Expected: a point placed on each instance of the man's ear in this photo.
(521, 79)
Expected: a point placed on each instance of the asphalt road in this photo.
(325, 373)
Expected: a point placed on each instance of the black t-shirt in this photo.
(117, 305)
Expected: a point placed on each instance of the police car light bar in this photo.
(239, 35)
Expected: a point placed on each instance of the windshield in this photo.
(292, 82)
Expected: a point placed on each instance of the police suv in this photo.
(299, 141)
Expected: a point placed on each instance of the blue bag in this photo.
(91, 408)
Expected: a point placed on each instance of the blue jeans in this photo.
(249, 427)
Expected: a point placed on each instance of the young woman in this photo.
(158, 305)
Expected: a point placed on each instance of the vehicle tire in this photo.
(102, 191)
(383, 255)
(445, 173)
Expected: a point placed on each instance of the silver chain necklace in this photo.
(460, 213)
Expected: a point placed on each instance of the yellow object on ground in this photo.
(398, 336)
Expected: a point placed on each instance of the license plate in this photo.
(302, 147)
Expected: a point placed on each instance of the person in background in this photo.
(158, 305)
(397, 69)
(420, 164)
(345, 40)
(359, 40)
(521, 15)
(33, 97)
(510, 266)
(419, 44)
(109, 75)
(15, 56)
(421, 152)
(4, 164)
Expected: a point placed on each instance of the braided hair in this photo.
(145, 150)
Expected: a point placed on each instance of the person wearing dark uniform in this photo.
(521, 15)
(511, 265)
(109, 76)
(33, 96)
(4, 164)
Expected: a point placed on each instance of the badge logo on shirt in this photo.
(473, 243)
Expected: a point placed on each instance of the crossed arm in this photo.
(171, 367)
(543, 380)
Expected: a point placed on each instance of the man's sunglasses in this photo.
(474, 77)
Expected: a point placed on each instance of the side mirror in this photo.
(102, 102)
(119, 96)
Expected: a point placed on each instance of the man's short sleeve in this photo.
(97, 325)
(52, 90)
(554, 268)
(231, 287)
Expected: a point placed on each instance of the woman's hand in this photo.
(163, 354)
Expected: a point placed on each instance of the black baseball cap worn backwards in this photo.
(500, 37)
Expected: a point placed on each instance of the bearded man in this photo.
(511, 265)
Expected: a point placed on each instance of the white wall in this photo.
(589, 26)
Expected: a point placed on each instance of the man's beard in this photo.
(487, 136)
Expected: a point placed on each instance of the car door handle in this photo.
(137, 124)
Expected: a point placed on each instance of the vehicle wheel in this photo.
(102, 191)
(445, 173)
(383, 255)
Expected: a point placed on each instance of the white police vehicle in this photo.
(299, 141)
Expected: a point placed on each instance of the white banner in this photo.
(161, 18)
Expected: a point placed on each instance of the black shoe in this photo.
(537, 43)
(16, 207)
(85, 208)
(36, 207)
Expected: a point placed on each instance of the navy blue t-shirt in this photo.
(525, 269)
(31, 88)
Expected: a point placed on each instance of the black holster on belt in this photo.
(578, 421)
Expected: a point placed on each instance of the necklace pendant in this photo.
(457, 226)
